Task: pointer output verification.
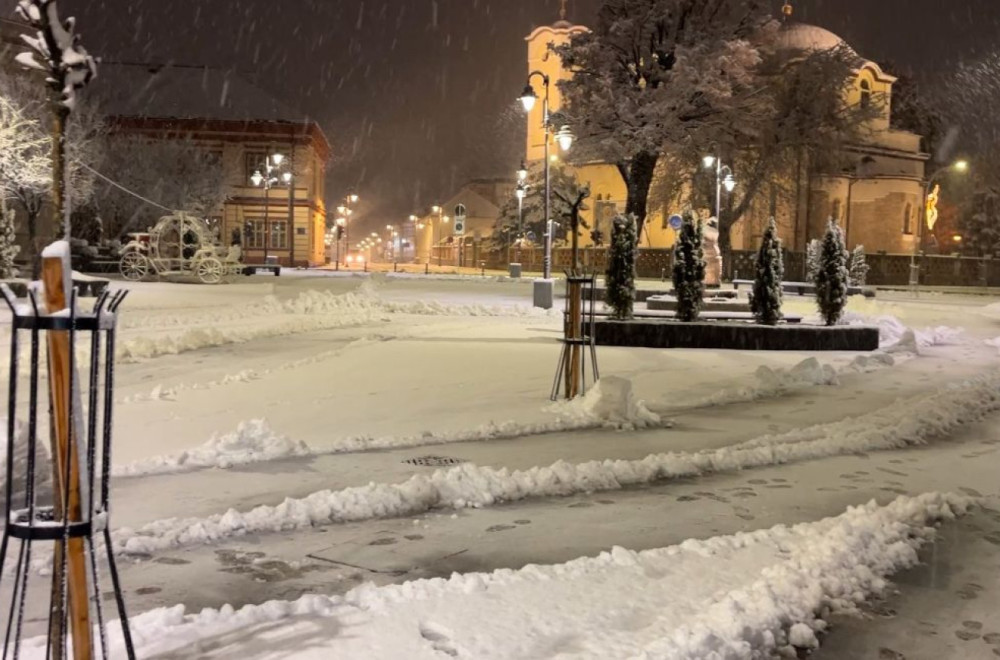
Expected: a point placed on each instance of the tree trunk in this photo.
(726, 246)
(575, 225)
(638, 175)
(60, 199)
(33, 242)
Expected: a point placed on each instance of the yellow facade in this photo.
(875, 204)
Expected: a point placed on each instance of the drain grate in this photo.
(434, 461)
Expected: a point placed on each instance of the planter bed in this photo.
(669, 303)
(734, 335)
(643, 295)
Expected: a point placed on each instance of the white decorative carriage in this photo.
(180, 245)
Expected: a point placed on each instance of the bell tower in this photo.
(541, 58)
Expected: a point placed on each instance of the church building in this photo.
(876, 201)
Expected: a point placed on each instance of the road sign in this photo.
(676, 221)
(460, 220)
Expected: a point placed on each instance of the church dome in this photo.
(805, 37)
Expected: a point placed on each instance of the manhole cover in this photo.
(433, 461)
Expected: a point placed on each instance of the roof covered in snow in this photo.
(802, 36)
(186, 92)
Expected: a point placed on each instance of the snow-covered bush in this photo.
(831, 279)
(858, 270)
(8, 242)
(812, 259)
(620, 276)
(765, 299)
(689, 269)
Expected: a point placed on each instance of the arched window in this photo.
(866, 94)
(908, 219)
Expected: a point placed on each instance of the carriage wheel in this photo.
(133, 266)
(210, 270)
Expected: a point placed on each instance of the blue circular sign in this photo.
(676, 221)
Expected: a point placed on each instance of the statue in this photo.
(713, 256)
(932, 210)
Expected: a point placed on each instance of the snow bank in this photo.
(903, 424)
(253, 442)
(768, 382)
(611, 403)
(896, 337)
(733, 597)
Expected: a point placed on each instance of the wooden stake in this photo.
(575, 331)
(65, 451)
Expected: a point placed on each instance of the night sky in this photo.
(417, 95)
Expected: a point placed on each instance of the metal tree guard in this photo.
(29, 518)
(578, 338)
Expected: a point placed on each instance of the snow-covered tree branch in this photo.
(56, 51)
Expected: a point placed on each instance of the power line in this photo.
(124, 189)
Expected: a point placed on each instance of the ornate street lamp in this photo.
(270, 177)
(565, 139)
(724, 178)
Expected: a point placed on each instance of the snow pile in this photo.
(995, 342)
(252, 442)
(611, 403)
(896, 337)
(768, 382)
(754, 594)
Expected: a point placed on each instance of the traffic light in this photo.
(340, 233)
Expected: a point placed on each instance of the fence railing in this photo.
(884, 269)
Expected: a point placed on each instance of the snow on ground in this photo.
(725, 597)
(906, 423)
(339, 364)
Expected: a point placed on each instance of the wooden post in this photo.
(65, 452)
(574, 331)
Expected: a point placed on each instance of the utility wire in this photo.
(124, 189)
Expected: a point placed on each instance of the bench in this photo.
(809, 289)
(252, 269)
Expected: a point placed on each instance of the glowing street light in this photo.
(724, 178)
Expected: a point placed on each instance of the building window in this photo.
(255, 231)
(866, 94)
(254, 163)
(835, 214)
(908, 219)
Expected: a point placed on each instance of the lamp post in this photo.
(442, 219)
(268, 179)
(520, 192)
(960, 166)
(723, 179)
(565, 138)
(346, 210)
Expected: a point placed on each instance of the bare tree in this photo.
(25, 154)
(56, 51)
(655, 73)
(177, 174)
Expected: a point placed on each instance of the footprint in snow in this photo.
(171, 561)
(439, 638)
(966, 635)
(499, 528)
(146, 591)
(387, 541)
